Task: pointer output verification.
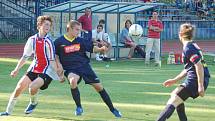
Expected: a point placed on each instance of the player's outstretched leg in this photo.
(4, 114)
(181, 112)
(166, 113)
(33, 90)
(20, 87)
(30, 108)
(105, 97)
(76, 97)
(10, 106)
(33, 102)
(172, 103)
(74, 80)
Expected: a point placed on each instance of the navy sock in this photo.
(181, 112)
(166, 113)
(105, 97)
(76, 96)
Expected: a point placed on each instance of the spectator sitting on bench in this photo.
(128, 42)
(101, 39)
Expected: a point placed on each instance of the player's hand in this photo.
(169, 82)
(14, 73)
(62, 79)
(60, 73)
(201, 90)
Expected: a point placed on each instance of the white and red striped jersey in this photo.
(44, 52)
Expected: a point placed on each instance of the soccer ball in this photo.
(135, 30)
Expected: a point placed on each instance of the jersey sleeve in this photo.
(193, 55)
(28, 49)
(50, 50)
(56, 46)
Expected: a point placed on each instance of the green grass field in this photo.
(134, 88)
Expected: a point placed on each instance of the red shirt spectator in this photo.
(86, 20)
(154, 24)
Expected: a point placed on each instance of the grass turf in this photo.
(135, 89)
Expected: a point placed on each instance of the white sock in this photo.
(11, 104)
(34, 98)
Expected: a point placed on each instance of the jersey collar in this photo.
(43, 37)
(69, 39)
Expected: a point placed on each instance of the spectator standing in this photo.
(153, 41)
(86, 23)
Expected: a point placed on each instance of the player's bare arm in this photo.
(59, 69)
(200, 76)
(180, 76)
(19, 66)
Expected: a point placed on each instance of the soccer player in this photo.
(196, 72)
(41, 71)
(71, 52)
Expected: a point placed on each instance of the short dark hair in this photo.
(99, 26)
(87, 8)
(102, 21)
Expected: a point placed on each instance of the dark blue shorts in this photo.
(86, 72)
(191, 86)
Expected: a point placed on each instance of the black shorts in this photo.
(47, 80)
(85, 72)
(184, 94)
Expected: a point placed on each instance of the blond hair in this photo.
(187, 31)
(71, 24)
(41, 19)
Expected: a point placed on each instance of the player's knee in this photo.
(31, 86)
(175, 100)
(32, 90)
(98, 87)
(73, 82)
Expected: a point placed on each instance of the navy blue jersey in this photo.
(192, 54)
(72, 53)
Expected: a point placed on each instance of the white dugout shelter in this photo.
(114, 14)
